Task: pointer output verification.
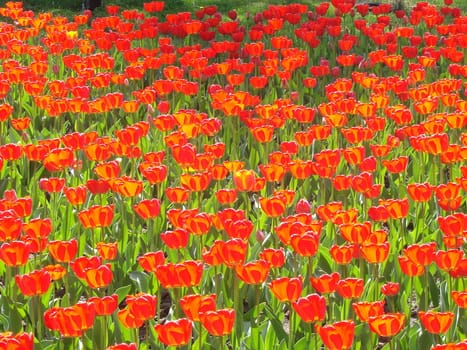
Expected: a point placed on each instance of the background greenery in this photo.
(69, 7)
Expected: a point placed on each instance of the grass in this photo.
(70, 7)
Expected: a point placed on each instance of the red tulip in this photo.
(98, 277)
(185, 274)
(387, 325)
(174, 333)
(218, 322)
(106, 305)
(14, 253)
(350, 287)
(436, 322)
(147, 208)
(338, 335)
(365, 310)
(286, 289)
(63, 251)
(34, 283)
(107, 251)
(311, 308)
(390, 288)
(194, 305)
(96, 216)
(254, 272)
(275, 257)
(150, 261)
(142, 306)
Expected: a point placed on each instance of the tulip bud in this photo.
(260, 236)
(303, 206)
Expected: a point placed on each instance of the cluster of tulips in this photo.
(289, 179)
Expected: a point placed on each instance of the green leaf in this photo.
(122, 292)
(141, 280)
(276, 323)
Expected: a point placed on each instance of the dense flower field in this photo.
(292, 180)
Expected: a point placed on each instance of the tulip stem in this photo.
(37, 301)
(238, 305)
(200, 333)
(291, 327)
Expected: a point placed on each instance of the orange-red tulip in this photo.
(176, 239)
(150, 261)
(105, 305)
(98, 277)
(76, 195)
(350, 287)
(311, 308)
(34, 283)
(107, 251)
(365, 309)
(410, 268)
(96, 216)
(63, 251)
(275, 257)
(142, 306)
(387, 325)
(14, 253)
(194, 305)
(148, 208)
(185, 274)
(218, 322)
(338, 335)
(254, 272)
(174, 333)
(286, 288)
(436, 322)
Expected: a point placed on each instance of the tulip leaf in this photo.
(47, 345)
(4, 321)
(141, 280)
(122, 292)
(302, 344)
(276, 323)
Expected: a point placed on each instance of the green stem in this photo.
(291, 327)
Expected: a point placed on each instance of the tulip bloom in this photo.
(244, 180)
(325, 283)
(286, 288)
(387, 325)
(390, 288)
(185, 274)
(350, 287)
(338, 335)
(96, 216)
(107, 251)
(150, 261)
(176, 239)
(14, 253)
(436, 322)
(174, 333)
(148, 208)
(71, 321)
(194, 305)
(98, 277)
(364, 310)
(63, 251)
(106, 305)
(218, 323)
(142, 306)
(76, 195)
(275, 257)
(311, 308)
(254, 272)
(34, 283)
